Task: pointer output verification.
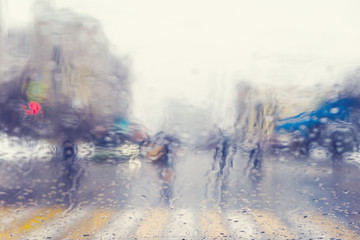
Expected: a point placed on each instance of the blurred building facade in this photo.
(64, 60)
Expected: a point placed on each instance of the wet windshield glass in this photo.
(139, 120)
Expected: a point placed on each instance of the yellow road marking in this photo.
(212, 225)
(331, 227)
(20, 228)
(272, 226)
(10, 216)
(4, 211)
(154, 224)
(91, 224)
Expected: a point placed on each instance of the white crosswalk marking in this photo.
(242, 225)
(124, 223)
(13, 216)
(56, 228)
(22, 226)
(311, 224)
(182, 224)
(163, 223)
(273, 226)
(212, 225)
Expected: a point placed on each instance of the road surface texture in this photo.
(45, 197)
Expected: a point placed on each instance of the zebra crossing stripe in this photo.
(331, 228)
(3, 211)
(242, 224)
(122, 225)
(91, 224)
(161, 223)
(56, 228)
(212, 225)
(153, 225)
(19, 227)
(13, 216)
(182, 224)
(272, 226)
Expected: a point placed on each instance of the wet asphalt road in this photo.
(282, 186)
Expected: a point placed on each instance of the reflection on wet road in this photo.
(286, 199)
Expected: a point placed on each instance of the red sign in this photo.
(34, 108)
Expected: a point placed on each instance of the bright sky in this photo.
(190, 48)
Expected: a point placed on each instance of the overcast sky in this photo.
(188, 49)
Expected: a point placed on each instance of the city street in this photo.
(48, 198)
(139, 119)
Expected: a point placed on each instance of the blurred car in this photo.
(331, 126)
